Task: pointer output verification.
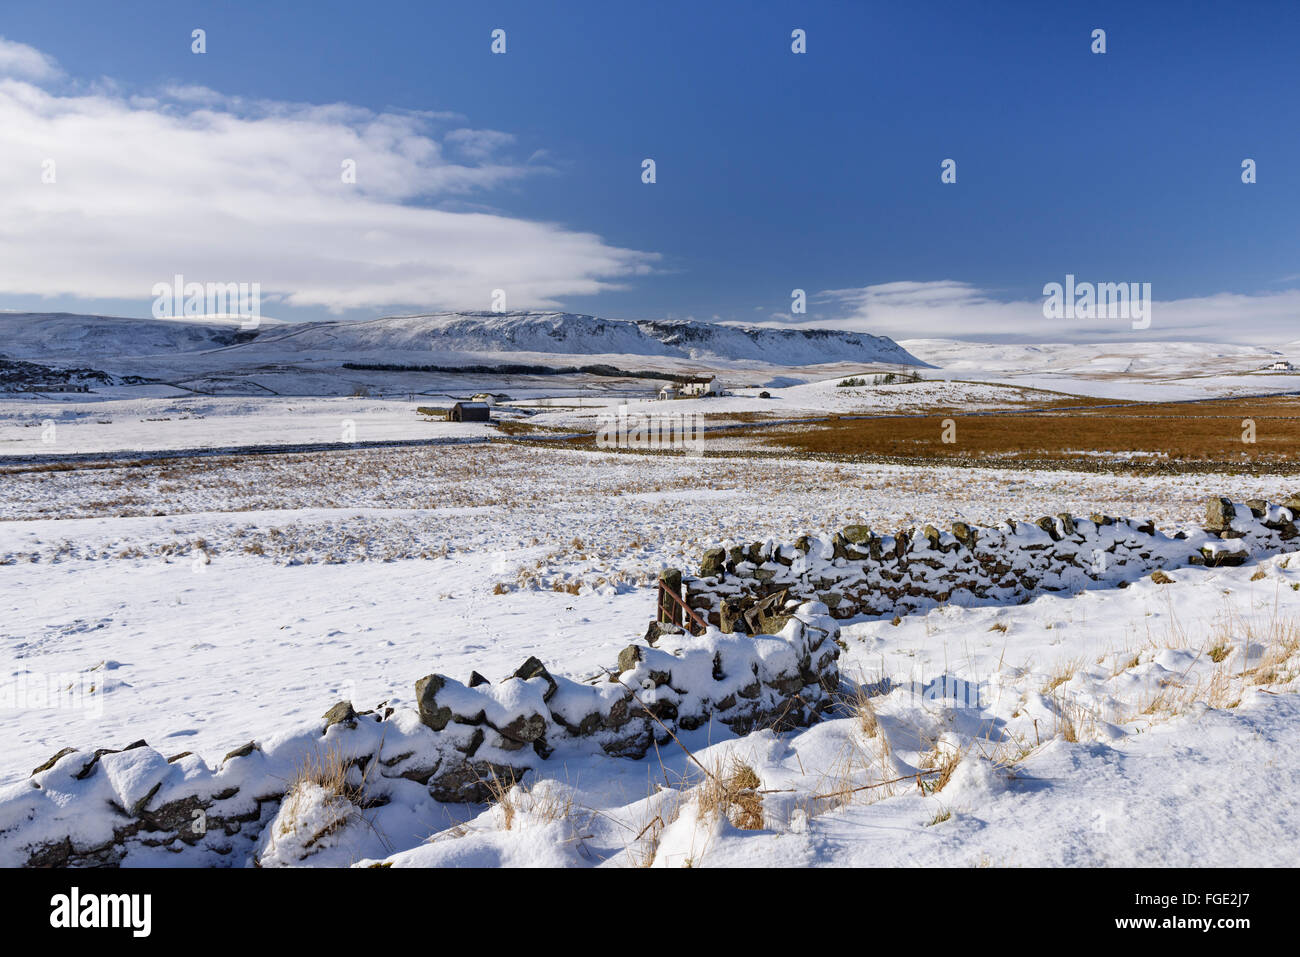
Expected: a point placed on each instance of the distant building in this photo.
(55, 387)
(691, 387)
(470, 412)
(1280, 366)
(707, 385)
(491, 398)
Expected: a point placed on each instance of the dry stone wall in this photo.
(93, 808)
(854, 571)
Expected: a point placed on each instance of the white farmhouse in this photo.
(1281, 365)
(690, 387)
(700, 385)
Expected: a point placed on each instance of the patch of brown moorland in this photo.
(1208, 431)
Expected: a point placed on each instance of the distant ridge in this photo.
(565, 333)
(454, 334)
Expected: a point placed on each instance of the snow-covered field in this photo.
(805, 400)
(70, 427)
(209, 600)
(123, 422)
(1104, 734)
(213, 601)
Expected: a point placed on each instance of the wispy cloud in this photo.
(478, 144)
(20, 60)
(188, 180)
(958, 310)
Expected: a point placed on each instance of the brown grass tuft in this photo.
(732, 789)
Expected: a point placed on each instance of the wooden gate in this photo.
(674, 610)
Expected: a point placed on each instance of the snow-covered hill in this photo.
(1128, 369)
(570, 334)
(794, 347)
(308, 358)
(1136, 357)
(430, 339)
(50, 335)
(422, 338)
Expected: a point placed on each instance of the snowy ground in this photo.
(77, 426)
(1103, 731)
(126, 421)
(296, 401)
(225, 599)
(542, 510)
(810, 399)
(1127, 369)
(1104, 734)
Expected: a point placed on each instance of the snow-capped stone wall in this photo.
(856, 572)
(455, 744)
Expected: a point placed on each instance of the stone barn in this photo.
(471, 412)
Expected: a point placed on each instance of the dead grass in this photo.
(868, 722)
(1281, 661)
(333, 774)
(1247, 653)
(1067, 716)
(942, 815)
(1195, 432)
(943, 761)
(662, 810)
(1062, 674)
(1126, 662)
(1009, 752)
(732, 790)
(330, 770)
(538, 802)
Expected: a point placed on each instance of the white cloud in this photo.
(20, 60)
(478, 144)
(223, 189)
(957, 310)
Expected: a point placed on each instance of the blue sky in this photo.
(774, 170)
